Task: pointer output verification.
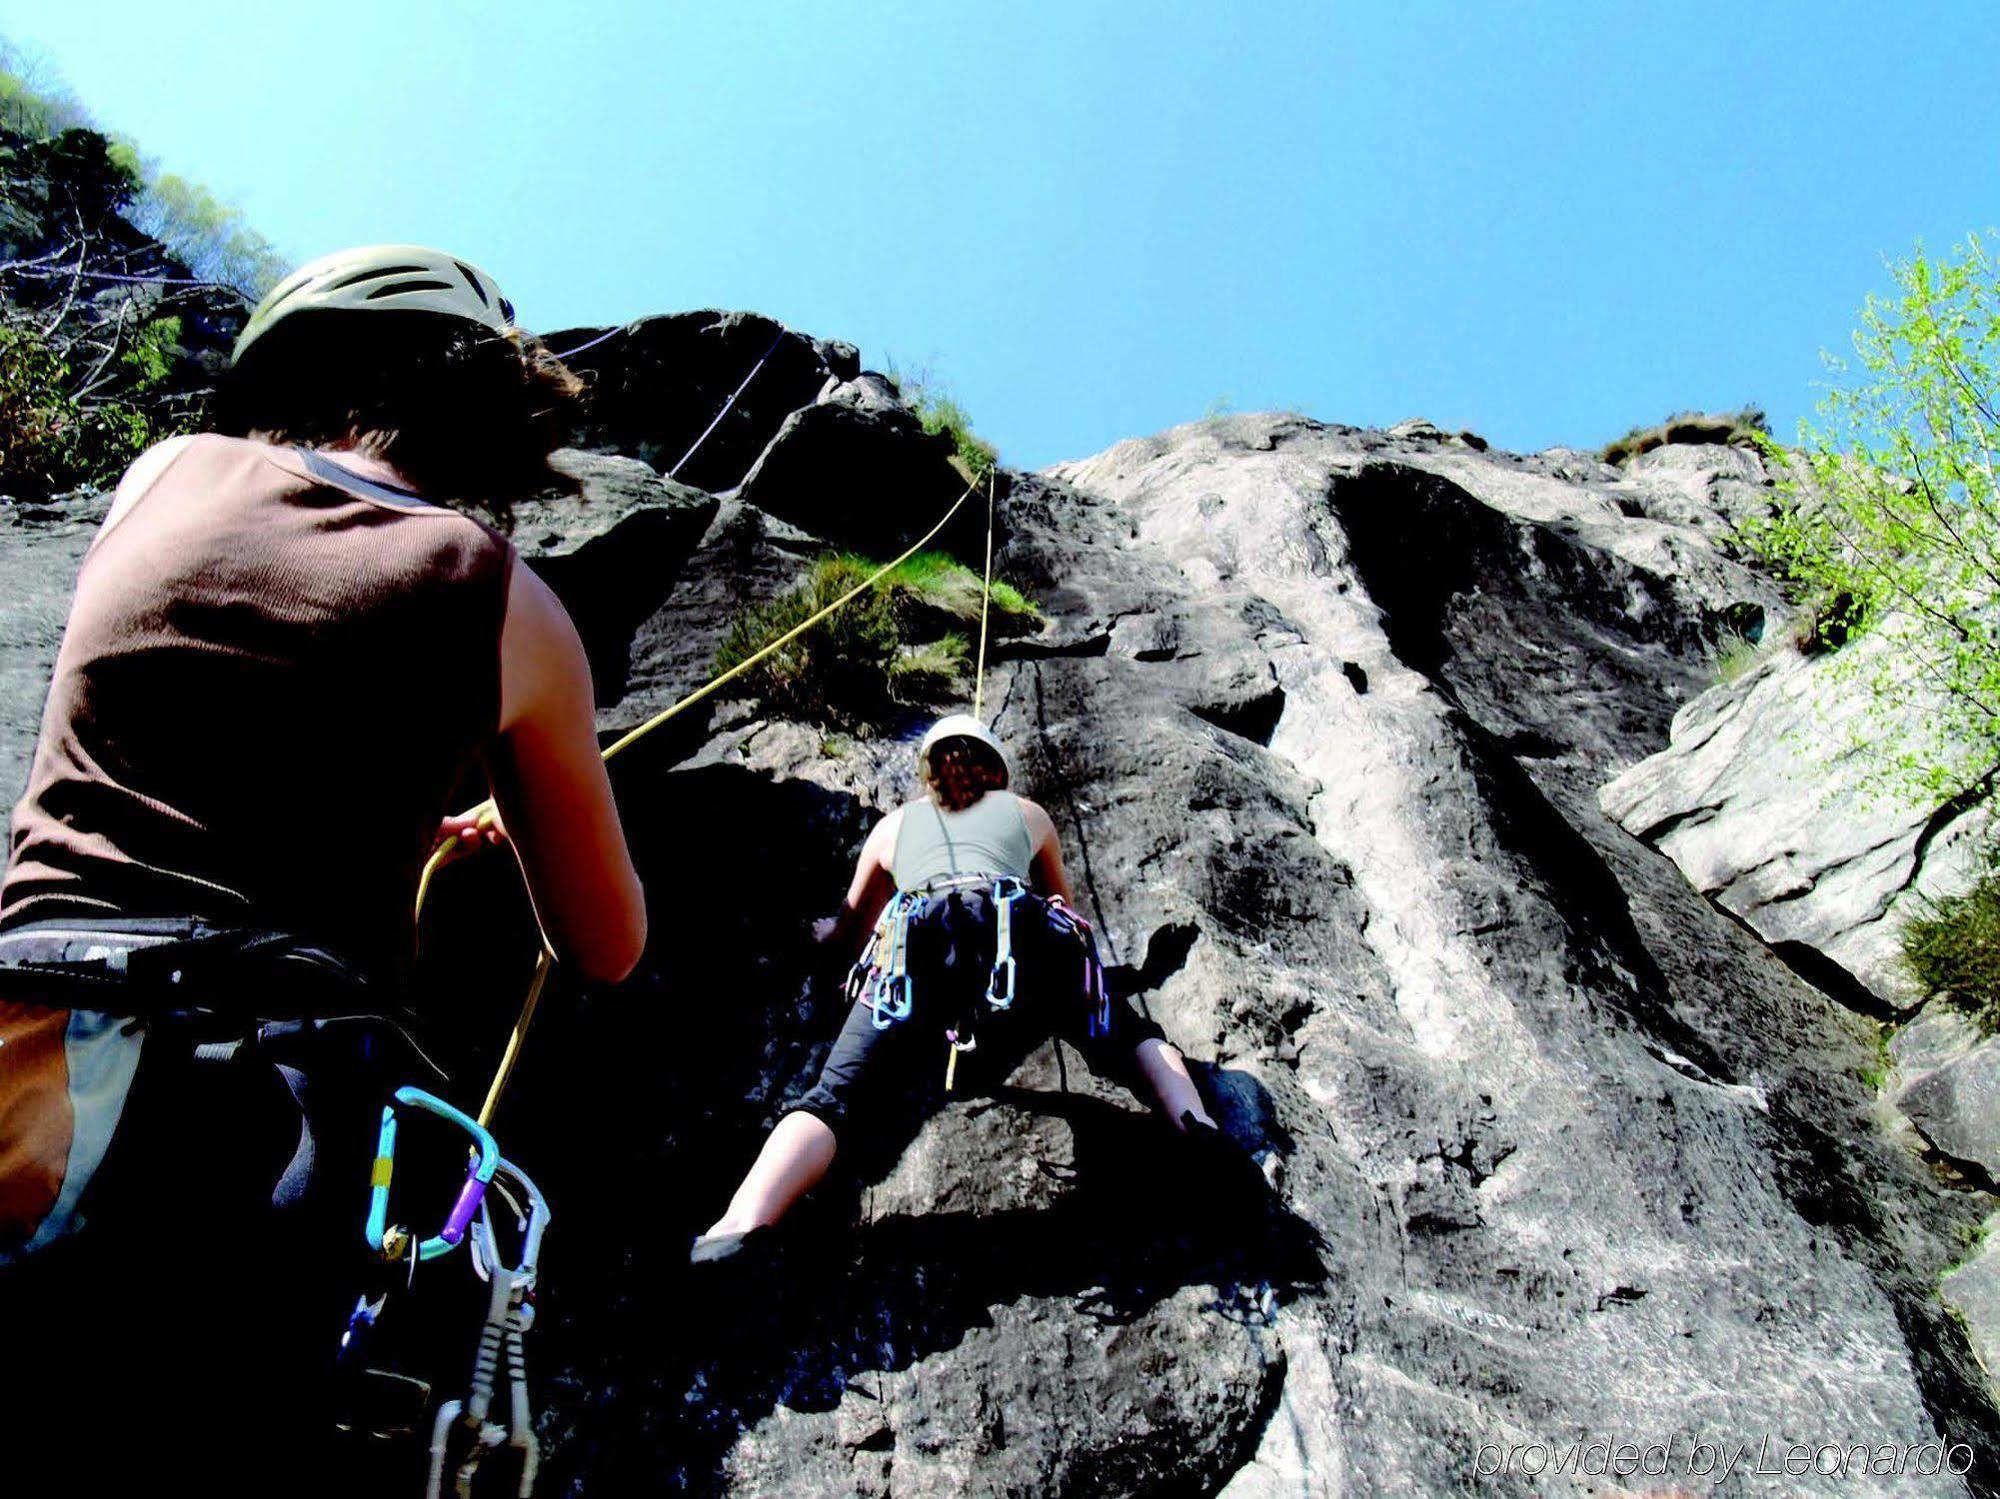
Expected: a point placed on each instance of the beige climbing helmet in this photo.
(959, 726)
(387, 278)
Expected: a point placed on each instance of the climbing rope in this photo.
(586, 347)
(762, 360)
(727, 406)
(985, 604)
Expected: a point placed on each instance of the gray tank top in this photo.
(990, 837)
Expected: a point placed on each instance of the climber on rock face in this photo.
(287, 649)
(957, 889)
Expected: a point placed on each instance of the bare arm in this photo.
(553, 794)
(867, 893)
(1047, 874)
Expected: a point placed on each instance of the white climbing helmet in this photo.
(386, 278)
(959, 726)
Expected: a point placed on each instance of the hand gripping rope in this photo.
(510, 1312)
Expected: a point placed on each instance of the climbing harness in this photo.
(510, 1313)
(881, 978)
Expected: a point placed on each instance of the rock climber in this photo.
(930, 886)
(291, 643)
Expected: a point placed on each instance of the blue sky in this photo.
(1542, 221)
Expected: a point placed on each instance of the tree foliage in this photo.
(62, 427)
(1890, 521)
(210, 237)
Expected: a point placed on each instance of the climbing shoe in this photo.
(1221, 1159)
(735, 1250)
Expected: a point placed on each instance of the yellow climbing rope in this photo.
(985, 605)
(545, 960)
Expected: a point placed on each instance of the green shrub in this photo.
(898, 645)
(940, 581)
(835, 673)
(1953, 945)
(1747, 428)
(58, 433)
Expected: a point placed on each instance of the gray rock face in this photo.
(865, 476)
(1957, 1106)
(1974, 1288)
(41, 547)
(1555, 1151)
(1763, 799)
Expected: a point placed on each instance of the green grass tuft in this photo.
(939, 411)
(1953, 945)
(1736, 656)
(934, 672)
(906, 642)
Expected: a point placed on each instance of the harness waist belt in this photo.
(152, 966)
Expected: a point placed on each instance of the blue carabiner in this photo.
(394, 1242)
(890, 991)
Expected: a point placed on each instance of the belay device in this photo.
(510, 1307)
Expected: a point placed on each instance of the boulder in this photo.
(653, 388)
(1957, 1106)
(867, 478)
(1558, 1149)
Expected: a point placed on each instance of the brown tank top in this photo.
(274, 671)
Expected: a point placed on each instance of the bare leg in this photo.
(1166, 1071)
(793, 1161)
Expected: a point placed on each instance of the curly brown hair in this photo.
(465, 414)
(960, 771)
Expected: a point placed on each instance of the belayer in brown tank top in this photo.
(285, 649)
(261, 627)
